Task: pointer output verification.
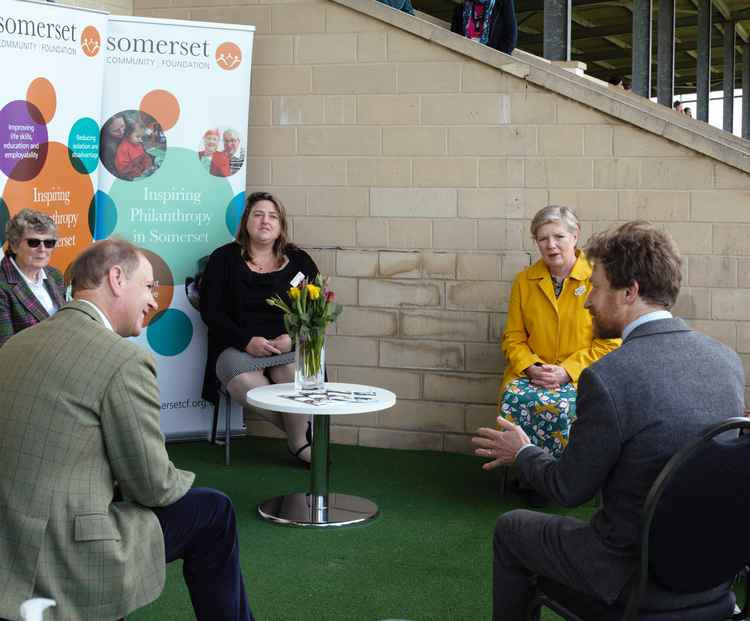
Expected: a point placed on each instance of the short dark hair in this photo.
(91, 266)
(639, 252)
(281, 244)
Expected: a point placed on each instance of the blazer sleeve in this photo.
(135, 445)
(457, 23)
(213, 302)
(593, 450)
(578, 361)
(6, 323)
(515, 337)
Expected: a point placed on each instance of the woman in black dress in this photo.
(247, 342)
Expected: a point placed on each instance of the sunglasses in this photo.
(33, 242)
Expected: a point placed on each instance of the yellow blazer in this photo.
(546, 329)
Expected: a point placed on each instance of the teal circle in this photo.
(102, 216)
(4, 217)
(83, 145)
(178, 212)
(234, 213)
(169, 332)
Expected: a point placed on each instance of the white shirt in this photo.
(102, 316)
(38, 289)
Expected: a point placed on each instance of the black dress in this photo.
(233, 303)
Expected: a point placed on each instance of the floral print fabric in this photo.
(544, 414)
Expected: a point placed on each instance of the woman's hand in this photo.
(547, 375)
(259, 347)
(283, 343)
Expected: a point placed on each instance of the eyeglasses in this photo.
(154, 288)
(33, 242)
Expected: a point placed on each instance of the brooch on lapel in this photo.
(580, 290)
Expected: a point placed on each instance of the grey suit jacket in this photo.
(636, 407)
(80, 410)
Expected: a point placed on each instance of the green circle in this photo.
(83, 145)
(170, 332)
(4, 217)
(178, 212)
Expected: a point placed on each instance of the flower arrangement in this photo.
(311, 306)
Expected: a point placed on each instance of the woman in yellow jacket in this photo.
(548, 338)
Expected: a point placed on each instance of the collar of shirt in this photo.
(653, 316)
(102, 316)
(41, 278)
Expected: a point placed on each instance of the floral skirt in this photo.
(544, 414)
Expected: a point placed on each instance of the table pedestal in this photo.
(318, 507)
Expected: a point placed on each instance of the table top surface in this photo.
(271, 398)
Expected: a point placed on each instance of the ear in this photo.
(632, 292)
(116, 280)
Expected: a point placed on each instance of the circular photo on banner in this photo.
(133, 145)
(222, 151)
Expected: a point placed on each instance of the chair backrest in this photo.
(695, 516)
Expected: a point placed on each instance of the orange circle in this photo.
(228, 56)
(163, 106)
(42, 94)
(91, 41)
(61, 192)
(163, 275)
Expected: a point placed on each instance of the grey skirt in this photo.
(232, 362)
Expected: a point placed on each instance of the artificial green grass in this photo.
(426, 557)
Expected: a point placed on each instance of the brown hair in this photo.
(91, 267)
(639, 252)
(281, 244)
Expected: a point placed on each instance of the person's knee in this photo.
(216, 503)
(507, 529)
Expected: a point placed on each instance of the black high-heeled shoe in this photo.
(308, 444)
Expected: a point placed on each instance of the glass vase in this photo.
(309, 369)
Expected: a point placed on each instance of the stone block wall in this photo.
(411, 172)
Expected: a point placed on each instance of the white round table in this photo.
(319, 507)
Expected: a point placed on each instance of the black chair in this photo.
(694, 540)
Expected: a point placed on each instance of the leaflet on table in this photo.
(331, 396)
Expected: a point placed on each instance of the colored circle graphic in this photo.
(234, 213)
(41, 95)
(163, 275)
(4, 217)
(133, 145)
(83, 142)
(175, 213)
(162, 106)
(23, 140)
(170, 332)
(62, 193)
(91, 41)
(102, 216)
(228, 56)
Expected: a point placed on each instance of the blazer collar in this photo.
(581, 269)
(658, 326)
(23, 293)
(86, 309)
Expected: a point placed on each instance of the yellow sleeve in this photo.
(578, 361)
(515, 337)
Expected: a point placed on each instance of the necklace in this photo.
(262, 266)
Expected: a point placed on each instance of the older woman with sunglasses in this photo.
(30, 290)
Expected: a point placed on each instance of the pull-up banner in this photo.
(49, 117)
(172, 177)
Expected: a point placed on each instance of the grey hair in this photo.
(25, 220)
(555, 213)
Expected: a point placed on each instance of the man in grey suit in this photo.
(636, 407)
(80, 412)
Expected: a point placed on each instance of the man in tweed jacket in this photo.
(636, 407)
(79, 414)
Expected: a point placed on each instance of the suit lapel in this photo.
(22, 292)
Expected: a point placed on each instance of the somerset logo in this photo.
(228, 56)
(90, 41)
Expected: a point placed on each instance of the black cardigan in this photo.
(233, 303)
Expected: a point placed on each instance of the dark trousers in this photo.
(200, 529)
(527, 544)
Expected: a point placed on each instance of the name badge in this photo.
(580, 290)
(297, 279)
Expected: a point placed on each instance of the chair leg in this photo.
(215, 422)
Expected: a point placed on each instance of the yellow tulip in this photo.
(294, 293)
(313, 292)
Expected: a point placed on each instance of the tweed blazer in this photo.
(19, 308)
(636, 408)
(80, 410)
